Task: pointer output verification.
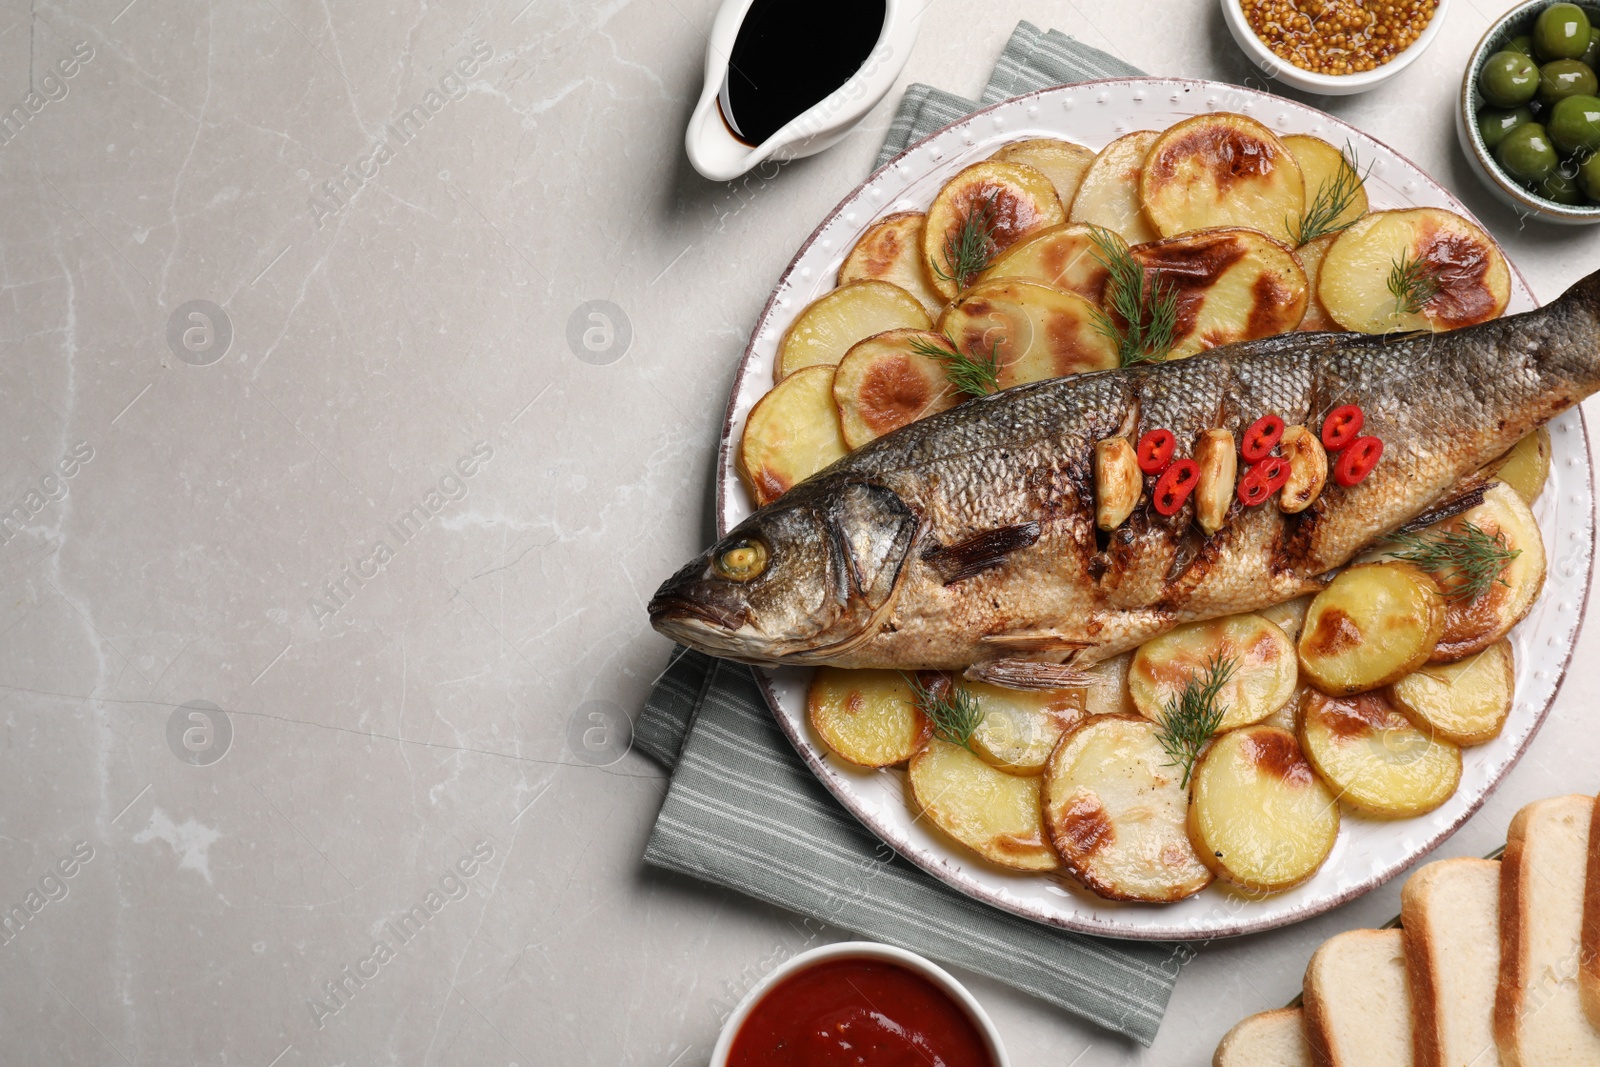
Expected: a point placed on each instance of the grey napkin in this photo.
(744, 812)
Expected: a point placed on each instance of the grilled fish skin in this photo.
(967, 539)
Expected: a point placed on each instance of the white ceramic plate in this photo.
(1369, 852)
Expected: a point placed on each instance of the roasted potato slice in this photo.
(1527, 466)
(1034, 331)
(891, 251)
(1118, 481)
(1262, 657)
(1258, 814)
(1325, 170)
(1310, 256)
(1231, 285)
(1020, 728)
(1421, 268)
(1308, 469)
(791, 434)
(1062, 257)
(837, 319)
(1374, 624)
(1221, 170)
(1374, 757)
(995, 814)
(1061, 161)
(1110, 695)
(1117, 814)
(998, 204)
(1108, 196)
(885, 382)
(868, 717)
(1466, 701)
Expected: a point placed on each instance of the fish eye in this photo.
(742, 562)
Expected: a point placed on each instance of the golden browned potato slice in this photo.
(891, 251)
(1110, 695)
(1231, 284)
(1221, 170)
(839, 318)
(1456, 274)
(1062, 257)
(1324, 169)
(867, 717)
(1118, 481)
(1466, 701)
(1375, 758)
(885, 382)
(1034, 331)
(1263, 662)
(995, 814)
(1108, 196)
(1308, 469)
(1290, 616)
(1219, 467)
(1258, 814)
(1020, 729)
(1374, 624)
(1117, 814)
(993, 206)
(1527, 466)
(1473, 624)
(791, 434)
(1310, 256)
(1061, 161)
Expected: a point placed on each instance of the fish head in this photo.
(798, 579)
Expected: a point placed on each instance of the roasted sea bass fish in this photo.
(968, 539)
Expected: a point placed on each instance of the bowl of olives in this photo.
(1529, 119)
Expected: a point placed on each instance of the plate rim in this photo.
(960, 880)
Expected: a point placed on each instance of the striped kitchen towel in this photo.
(743, 811)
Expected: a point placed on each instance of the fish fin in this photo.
(1035, 641)
(963, 560)
(1465, 497)
(873, 529)
(1028, 674)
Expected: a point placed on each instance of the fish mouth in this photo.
(674, 607)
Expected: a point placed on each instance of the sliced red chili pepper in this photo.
(1262, 480)
(1341, 427)
(1155, 451)
(1261, 438)
(1357, 460)
(1175, 485)
(1253, 491)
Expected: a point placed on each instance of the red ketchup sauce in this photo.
(858, 1013)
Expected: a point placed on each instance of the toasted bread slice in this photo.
(1539, 1019)
(1450, 911)
(1271, 1039)
(1589, 970)
(1357, 1003)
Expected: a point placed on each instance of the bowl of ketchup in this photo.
(862, 1004)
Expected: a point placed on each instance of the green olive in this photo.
(1561, 189)
(1508, 79)
(1591, 55)
(1521, 43)
(1561, 78)
(1562, 32)
(1527, 154)
(1495, 122)
(1589, 177)
(743, 561)
(1574, 124)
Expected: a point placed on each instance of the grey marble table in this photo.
(329, 538)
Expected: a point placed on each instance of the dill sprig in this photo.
(955, 712)
(1469, 553)
(1332, 199)
(972, 375)
(1189, 719)
(1143, 315)
(970, 250)
(1413, 282)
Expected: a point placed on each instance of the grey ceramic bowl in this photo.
(1510, 192)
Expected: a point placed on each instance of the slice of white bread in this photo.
(1357, 1002)
(1539, 1019)
(1450, 912)
(1589, 963)
(1271, 1039)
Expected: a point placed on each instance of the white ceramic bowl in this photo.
(1324, 84)
(1509, 192)
(862, 950)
